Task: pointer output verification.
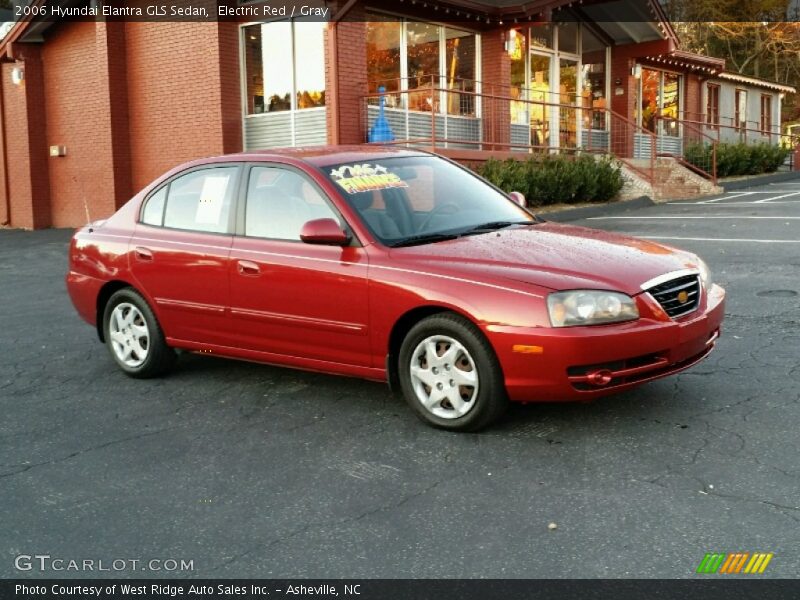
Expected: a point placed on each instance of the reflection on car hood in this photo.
(553, 256)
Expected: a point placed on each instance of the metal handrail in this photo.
(689, 125)
(489, 99)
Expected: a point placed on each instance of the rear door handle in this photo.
(143, 254)
(247, 267)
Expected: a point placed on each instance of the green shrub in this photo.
(556, 178)
(738, 159)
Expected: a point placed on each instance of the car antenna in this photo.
(85, 204)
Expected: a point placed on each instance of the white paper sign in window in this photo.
(212, 197)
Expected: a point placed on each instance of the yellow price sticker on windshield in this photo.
(366, 178)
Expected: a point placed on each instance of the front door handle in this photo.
(247, 267)
(143, 254)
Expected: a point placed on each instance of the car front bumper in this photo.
(582, 363)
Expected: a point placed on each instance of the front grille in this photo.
(668, 295)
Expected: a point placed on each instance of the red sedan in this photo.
(391, 265)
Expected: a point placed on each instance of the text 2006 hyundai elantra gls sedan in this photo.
(392, 265)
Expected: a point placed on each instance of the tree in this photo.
(760, 38)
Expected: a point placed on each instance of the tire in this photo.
(465, 368)
(134, 337)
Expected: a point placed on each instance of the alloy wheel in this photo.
(129, 334)
(444, 377)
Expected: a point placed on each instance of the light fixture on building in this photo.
(636, 71)
(17, 75)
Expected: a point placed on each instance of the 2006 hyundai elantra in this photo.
(392, 265)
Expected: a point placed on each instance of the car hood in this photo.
(554, 256)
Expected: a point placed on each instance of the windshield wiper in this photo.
(425, 238)
(494, 226)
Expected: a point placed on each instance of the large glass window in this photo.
(594, 80)
(740, 110)
(594, 95)
(540, 95)
(422, 42)
(459, 71)
(383, 55)
(309, 52)
(712, 105)
(660, 101)
(568, 37)
(568, 88)
(284, 66)
(766, 113)
(651, 83)
(519, 62)
(437, 65)
(542, 36)
(671, 96)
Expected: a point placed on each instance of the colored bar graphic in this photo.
(711, 563)
(732, 563)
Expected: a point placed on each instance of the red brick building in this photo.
(90, 112)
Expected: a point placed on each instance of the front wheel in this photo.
(134, 336)
(450, 375)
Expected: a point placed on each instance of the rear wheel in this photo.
(134, 337)
(449, 374)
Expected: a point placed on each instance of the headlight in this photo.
(590, 307)
(705, 273)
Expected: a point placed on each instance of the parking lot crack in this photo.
(25, 468)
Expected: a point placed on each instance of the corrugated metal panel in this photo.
(274, 130)
(642, 146)
(417, 125)
(670, 144)
(310, 128)
(595, 139)
(520, 134)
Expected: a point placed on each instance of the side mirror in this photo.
(325, 232)
(518, 197)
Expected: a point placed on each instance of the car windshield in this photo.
(423, 199)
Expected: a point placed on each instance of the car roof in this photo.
(322, 156)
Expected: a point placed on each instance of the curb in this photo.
(741, 184)
(584, 212)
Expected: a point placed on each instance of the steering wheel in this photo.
(441, 209)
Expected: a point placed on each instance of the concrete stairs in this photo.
(672, 181)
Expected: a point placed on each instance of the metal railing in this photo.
(697, 149)
(466, 114)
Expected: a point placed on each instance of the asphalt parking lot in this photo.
(254, 471)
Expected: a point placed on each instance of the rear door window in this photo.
(201, 200)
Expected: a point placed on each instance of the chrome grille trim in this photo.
(655, 281)
(666, 294)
